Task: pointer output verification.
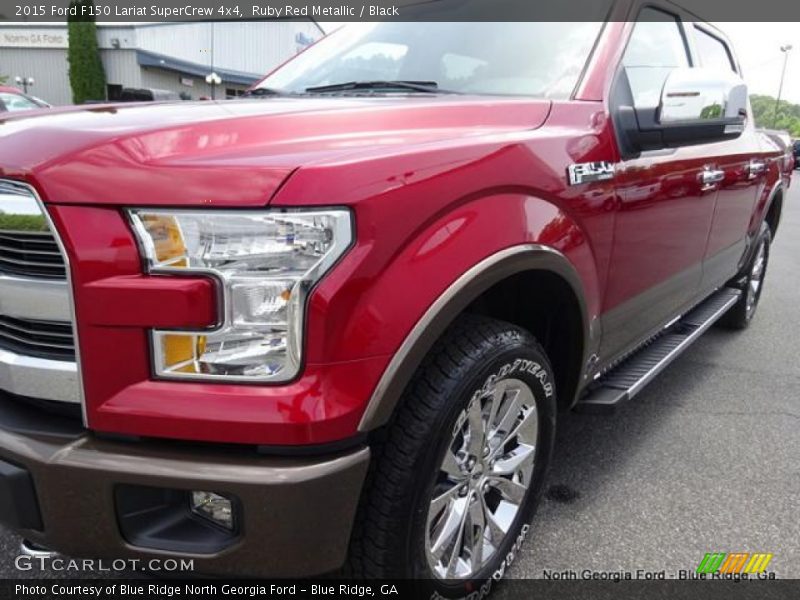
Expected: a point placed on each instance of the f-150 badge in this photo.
(588, 172)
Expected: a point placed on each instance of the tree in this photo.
(788, 114)
(86, 74)
(712, 111)
(3, 79)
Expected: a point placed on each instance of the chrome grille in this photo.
(37, 345)
(45, 339)
(27, 246)
(30, 254)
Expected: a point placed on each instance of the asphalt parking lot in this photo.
(704, 460)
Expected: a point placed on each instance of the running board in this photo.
(626, 380)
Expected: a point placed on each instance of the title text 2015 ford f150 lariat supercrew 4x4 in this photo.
(331, 325)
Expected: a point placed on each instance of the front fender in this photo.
(399, 306)
(449, 305)
(771, 191)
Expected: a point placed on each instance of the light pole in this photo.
(25, 82)
(213, 80)
(785, 49)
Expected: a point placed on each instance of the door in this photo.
(743, 169)
(666, 208)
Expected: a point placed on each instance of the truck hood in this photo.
(235, 153)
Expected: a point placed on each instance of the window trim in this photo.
(688, 41)
(588, 64)
(687, 21)
(700, 27)
(679, 21)
(634, 17)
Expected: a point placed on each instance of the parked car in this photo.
(148, 95)
(333, 324)
(12, 100)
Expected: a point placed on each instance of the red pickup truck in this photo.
(331, 325)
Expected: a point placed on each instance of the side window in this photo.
(656, 47)
(713, 52)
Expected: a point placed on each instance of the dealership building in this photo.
(176, 57)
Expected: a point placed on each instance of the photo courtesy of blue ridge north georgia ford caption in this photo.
(163, 590)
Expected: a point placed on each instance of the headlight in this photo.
(266, 263)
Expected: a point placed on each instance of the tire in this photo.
(424, 454)
(751, 283)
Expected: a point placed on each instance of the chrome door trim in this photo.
(756, 168)
(710, 178)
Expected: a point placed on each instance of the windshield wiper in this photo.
(426, 87)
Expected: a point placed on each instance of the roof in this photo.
(146, 58)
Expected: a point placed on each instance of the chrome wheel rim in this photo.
(483, 479)
(756, 278)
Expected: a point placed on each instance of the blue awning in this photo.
(162, 61)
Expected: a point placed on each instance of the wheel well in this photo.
(773, 217)
(545, 305)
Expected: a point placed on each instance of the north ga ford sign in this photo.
(32, 38)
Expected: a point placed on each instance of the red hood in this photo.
(230, 153)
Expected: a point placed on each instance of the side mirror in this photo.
(702, 95)
(697, 106)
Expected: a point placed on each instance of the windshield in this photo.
(532, 59)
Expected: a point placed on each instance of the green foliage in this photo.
(3, 79)
(713, 111)
(22, 223)
(86, 74)
(788, 114)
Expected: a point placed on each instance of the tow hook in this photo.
(28, 548)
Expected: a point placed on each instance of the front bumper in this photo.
(296, 513)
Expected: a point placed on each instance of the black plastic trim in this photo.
(19, 507)
(31, 416)
(329, 448)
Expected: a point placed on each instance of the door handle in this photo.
(710, 178)
(756, 168)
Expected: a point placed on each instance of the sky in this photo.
(758, 48)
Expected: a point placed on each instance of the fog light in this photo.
(217, 509)
(185, 521)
